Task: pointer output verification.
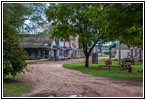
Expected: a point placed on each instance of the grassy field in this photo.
(12, 87)
(114, 72)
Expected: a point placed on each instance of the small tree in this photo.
(13, 54)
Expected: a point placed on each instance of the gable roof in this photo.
(35, 40)
(123, 47)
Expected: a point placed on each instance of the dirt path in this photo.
(51, 79)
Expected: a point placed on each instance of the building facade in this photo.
(40, 46)
(132, 52)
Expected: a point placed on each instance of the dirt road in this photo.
(51, 79)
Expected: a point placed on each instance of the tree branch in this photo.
(93, 46)
(16, 21)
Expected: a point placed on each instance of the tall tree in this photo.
(126, 20)
(82, 19)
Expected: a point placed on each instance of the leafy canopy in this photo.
(125, 22)
(82, 19)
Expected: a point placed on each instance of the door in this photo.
(46, 54)
(54, 53)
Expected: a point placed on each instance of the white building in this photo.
(104, 49)
(125, 51)
(133, 52)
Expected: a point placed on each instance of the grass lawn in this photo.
(105, 55)
(114, 72)
(12, 87)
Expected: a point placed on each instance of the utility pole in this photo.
(132, 53)
(119, 45)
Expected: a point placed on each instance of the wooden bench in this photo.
(108, 64)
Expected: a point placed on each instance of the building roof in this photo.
(105, 47)
(72, 37)
(35, 40)
(113, 49)
(123, 47)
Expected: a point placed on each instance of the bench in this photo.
(123, 66)
(108, 64)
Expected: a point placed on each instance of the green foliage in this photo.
(96, 23)
(82, 19)
(10, 77)
(114, 72)
(17, 13)
(112, 46)
(13, 13)
(106, 53)
(13, 54)
(78, 19)
(125, 22)
(99, 46)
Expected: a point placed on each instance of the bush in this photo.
(106, 53)
(13, 54)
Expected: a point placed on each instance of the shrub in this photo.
(13, 54)
(106, 53)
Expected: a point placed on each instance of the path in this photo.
(51, 79)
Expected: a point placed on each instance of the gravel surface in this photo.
(50, 79)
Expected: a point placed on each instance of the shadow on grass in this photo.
(6, 80)
(12, 79)
(14, 86)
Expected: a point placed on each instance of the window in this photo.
(136, 52)
(128, 54)
(46, 44)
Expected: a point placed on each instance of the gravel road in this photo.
(49, 78)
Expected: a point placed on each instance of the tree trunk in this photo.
(119, 53)
(87, 61)
(140, 54)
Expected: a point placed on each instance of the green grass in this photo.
(114, 72)
(12, 87)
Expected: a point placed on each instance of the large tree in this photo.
(126, 20)
(82, 19)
